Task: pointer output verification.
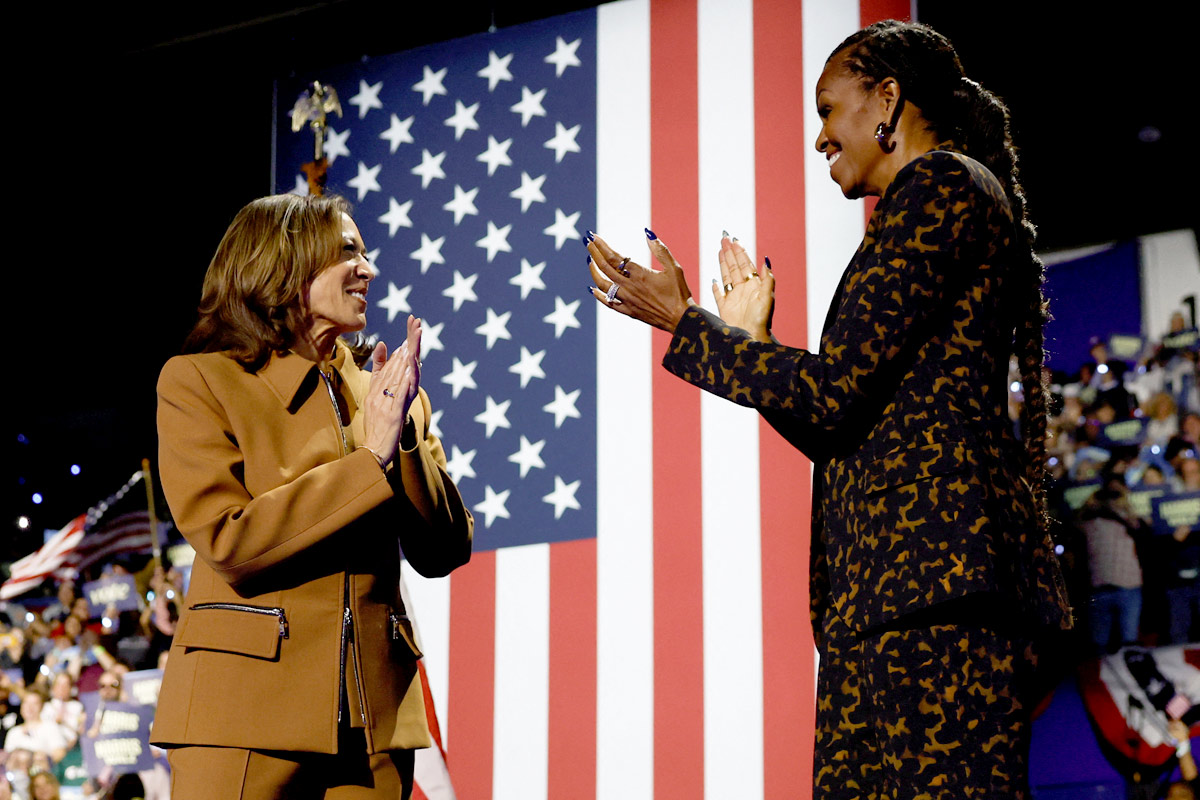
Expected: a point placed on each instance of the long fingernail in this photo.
(589, 259)
(724, 234)
(768, 262)
(590, 235)
(650, 235)
(735, 238)
(590, 292)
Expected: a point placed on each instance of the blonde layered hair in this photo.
(253, 300)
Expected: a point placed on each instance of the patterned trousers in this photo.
(923, 711)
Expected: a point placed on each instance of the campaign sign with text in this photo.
(1175, 511)
(141, 687)
(116, 590)
(1075, 496)
(122, 739)
(1141, 499)
(1125, 346)
(1127, 431)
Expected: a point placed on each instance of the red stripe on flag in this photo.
(789, 682)
(572, 700)
(871, 11)
(678, 599)
(471, 711)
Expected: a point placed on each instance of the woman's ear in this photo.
(887, 92)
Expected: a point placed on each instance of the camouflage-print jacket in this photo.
(903, 409)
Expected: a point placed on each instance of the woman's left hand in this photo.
(392, 390)
(656, 298)
(745, 296)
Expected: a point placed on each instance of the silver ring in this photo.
(611, 294)
(388, 393)
(728, 288)
(621, 268)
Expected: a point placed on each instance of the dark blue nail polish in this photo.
(650, 235)
(590, 235)
(768, 261)
(589, 261)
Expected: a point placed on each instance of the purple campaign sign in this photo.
(115, 590)
(141, 687)
(122, 739)
(1174, 511)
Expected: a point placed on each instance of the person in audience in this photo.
(1163, 421)
(1180, 554)
(60, 609)
(34, 734)
(63, 709)
(43, 786)
(1115, 605)
(17, 766)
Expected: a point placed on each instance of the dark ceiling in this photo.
(137, 132)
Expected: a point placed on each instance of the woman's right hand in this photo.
(393, 387)
(746, 296)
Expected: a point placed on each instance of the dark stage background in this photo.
(136, 132)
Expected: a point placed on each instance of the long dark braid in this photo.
(974, 120)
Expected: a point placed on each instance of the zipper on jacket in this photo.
(347, 614)
(395, 618)
(337, 411)
(274, 612)
(347, 638)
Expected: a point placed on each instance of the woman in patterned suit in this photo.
(931, 570)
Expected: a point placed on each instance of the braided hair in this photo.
(958, 110)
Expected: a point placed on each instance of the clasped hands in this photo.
(745, 296)
(393, 387)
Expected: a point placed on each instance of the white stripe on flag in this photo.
(522, 672)
(624, 548)
(732, 577)
(836, 226)
(428, 604)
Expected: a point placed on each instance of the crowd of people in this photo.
(61, 656)
(1125, 436)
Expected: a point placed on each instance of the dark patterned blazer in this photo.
(919, 495)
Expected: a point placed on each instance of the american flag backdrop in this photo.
(634, 621)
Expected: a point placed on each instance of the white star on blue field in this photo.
(471, 167)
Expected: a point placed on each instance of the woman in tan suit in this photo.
(298, 478)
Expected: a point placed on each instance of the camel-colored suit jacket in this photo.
(919, 496)
(293, 616)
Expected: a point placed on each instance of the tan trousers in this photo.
(230, 773)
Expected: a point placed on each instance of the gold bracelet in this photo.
(378, 458)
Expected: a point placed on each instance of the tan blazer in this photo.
(293, 615)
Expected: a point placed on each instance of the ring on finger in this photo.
(728, 287)
(622, 268)
(388, 393)
(611, 294)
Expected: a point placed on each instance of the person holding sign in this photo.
(931, 567)
(298, 477)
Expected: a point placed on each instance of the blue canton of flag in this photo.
(471, 168)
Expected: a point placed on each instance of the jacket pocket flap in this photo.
(914, 464)
(230, 631)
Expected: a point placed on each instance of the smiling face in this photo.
(337, 298)
(850, 116)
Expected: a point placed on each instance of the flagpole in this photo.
(148, 477)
